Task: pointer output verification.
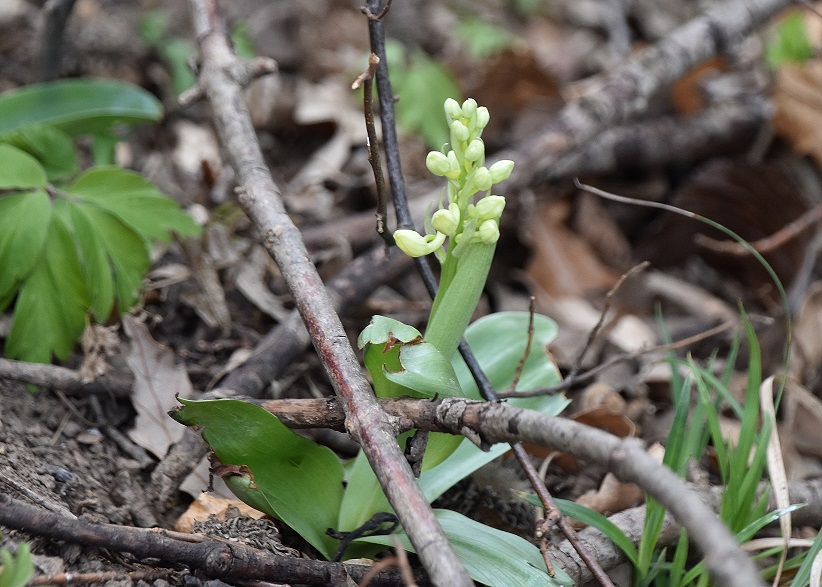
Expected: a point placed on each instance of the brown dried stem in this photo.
(261, 199)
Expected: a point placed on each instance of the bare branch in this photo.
(261, 199)
(626, 91)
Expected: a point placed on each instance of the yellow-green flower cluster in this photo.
(461, 162)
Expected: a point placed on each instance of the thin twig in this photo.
(261, 199)
(606, 306)
(527, 351)
(769, 243)
(365, 80)
(586, 376)
(404, 220)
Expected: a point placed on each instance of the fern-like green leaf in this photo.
(86, 250)
(50, 312)
(135, 201)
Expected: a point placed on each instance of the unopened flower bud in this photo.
(459, 132)
(501, 170)
(475, 150)
(447, 220)
(490, 208)
(469, 108)
(452, 110)
(437, 163)
(414, 244)
(489, 232)
(482, 117)
(482, 179)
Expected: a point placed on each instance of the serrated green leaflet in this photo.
(299, 480)
(491, 556)
(50, 312)
(19, 170)
(135, 201)
(24, 222)
(77, 106)
(53, 148)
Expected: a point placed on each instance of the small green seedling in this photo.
(16, 569)
(72, 244)
(256, 452)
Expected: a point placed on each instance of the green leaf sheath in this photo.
(455, 302)
(288, 476)
(77, 106)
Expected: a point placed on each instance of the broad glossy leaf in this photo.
(53, 148)
(50, 312)
(24, 222)
(77, 106)
(135, 201)
(499, 341)
(19, 170)
(396, 352)
(491, 556)
(298, 480)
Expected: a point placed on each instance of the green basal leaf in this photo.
(287, 476)
(50, 313)
(24, 222)
(595, 520)
(135, 201)
(52, 148)
(499, 341)
(491, 556)
(77, 106)
(20, 170)
(401, 363)
(16, 570)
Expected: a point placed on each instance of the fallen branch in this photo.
(217, 559)
(625, 458)
(626, 92)
(261, 199)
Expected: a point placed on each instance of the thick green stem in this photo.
(459, 293)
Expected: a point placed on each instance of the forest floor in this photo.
(732, 139)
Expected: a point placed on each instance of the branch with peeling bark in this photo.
(261, 199)
(626, 91)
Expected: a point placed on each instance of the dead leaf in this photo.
(157, 380)
(807, 330)
(798, 102)
(206, 505)
(250, 278)
(99, 342)
(754, 200)
(563, 264)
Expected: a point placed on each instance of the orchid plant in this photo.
(306, 486)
